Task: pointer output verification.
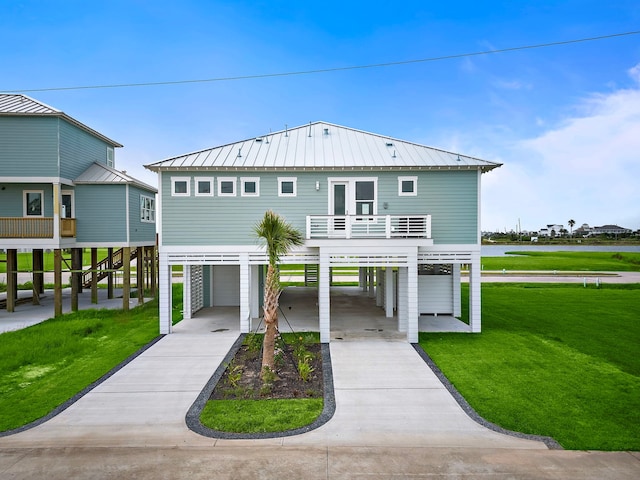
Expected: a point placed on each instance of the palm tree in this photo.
(571, 224)
(279, 237)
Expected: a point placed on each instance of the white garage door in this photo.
(226, 285)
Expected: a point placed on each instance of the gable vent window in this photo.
(147, 209)
(407, 186)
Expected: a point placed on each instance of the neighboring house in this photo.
(551, 230)
(59, 189)
(405, 214)
(610, 230)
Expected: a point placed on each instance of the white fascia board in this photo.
(382, 243)
(63, 181)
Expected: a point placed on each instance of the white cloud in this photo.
(634, 73)
(586, 169)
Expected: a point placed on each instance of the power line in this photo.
(334, 69)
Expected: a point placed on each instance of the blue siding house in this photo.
(406, 215)
(60, 191)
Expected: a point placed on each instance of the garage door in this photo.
(226, 285)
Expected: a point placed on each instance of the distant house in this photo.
(406, 215)
(610, 230)
(551, 230)
(60, 190)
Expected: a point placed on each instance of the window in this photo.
(250, 187)
(147, 209)
(365, 198)
(33, 203)
(407, 186)
(287, 186)
(110, 157)
(204, 186)
(180, 186)
(227, 186)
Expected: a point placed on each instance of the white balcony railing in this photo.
(368, 226)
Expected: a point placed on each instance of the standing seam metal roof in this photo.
(98, 173)
(322, 145)
(17, 105)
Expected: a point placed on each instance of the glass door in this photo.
(340, 205)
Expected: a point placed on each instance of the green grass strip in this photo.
(555, 360)
(260, 416)
(565, 261)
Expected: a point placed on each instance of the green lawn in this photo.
(48, 363)
(553, 359)
(253, 416)
(565, 261)
(25, 260)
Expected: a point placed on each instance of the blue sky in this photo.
(564, 120)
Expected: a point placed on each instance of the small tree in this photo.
(279, 237)
(571, 224)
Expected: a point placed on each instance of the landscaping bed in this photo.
(298, 372)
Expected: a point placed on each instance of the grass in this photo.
(259, 416)
(25, 260)
(565, 261)
(553, 359)
(46, 364)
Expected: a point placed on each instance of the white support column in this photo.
(164, 293)
(412, 297)
(371, 284)
(379, 287)
(254, 292)
(402, 299)
(474, 293)
(457, 308)
(324, 299)
(389, 291)
(57, 202)
(362, 281)
(245, 286)
(186, 292)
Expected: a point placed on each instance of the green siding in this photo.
(78, 150)
(139, 231)
(101, 213)
(450, 197)
(29, 147)
(11, 198)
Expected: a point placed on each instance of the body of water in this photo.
(500, 250)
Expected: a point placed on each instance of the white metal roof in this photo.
(16, 104)
(98, 173)
(322, 145)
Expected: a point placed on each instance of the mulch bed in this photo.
(289, 384)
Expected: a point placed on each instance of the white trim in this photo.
(61, 180)
(127, 212)
(233, 180)
(151, 210)
(294, 180)
(174, 180)
(244, 181)
(110, 159)
(413, 193)
(351, 193)
(25, 203)
(197, 181)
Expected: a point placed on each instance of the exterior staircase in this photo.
(103, 267)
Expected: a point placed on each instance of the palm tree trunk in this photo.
(271, 295)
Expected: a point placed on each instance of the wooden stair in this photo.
(117, 261)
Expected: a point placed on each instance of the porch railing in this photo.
(41, 227)
(368, 226)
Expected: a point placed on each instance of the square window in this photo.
(250, 187)
(180, 186)
(204, 186)
(227, 186)
(287, 186)
(407, 186)
(33, 203)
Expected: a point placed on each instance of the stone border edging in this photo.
(193, 415)
(63, 406)
(468, 409)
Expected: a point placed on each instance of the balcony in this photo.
(368, 226)
(40, 227)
